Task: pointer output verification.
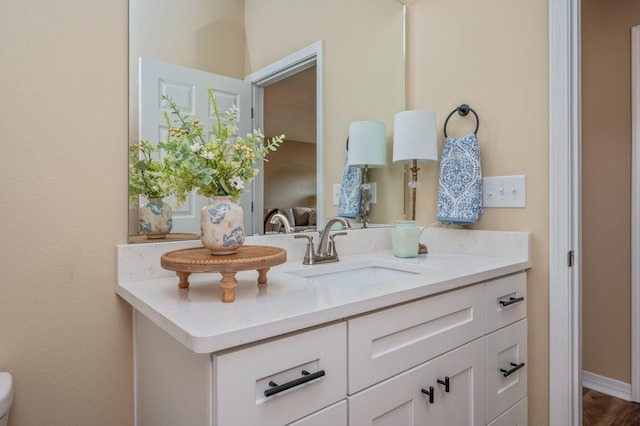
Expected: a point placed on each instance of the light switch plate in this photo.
(336, 193)
(372, 193)
(504, 191)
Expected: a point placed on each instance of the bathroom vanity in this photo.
(372, 339)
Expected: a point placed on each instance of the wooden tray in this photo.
(199, 259)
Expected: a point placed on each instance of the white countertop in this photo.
(203, 323)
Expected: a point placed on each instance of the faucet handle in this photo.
(332, 244)
(309, 256)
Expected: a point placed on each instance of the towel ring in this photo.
(463, 110)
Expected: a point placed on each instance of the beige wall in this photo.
(64, 333)
(606, 145)
(493, 55)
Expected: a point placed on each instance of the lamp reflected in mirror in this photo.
(367, 149)
(415, 141)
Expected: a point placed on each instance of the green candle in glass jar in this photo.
(405, 237)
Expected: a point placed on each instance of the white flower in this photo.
(208, 155)
(237, 182)
(195, 147)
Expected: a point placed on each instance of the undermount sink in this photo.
(358, 272)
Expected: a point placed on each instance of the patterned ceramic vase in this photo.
(155, 218)
(222, 224)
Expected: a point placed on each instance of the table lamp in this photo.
(367, 149)
(415, 141)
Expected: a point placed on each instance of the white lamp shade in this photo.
(367, 144)
(414, 136)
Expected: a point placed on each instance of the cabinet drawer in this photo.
(401, 400)
(243, 376)
(388, 342)
(336, 415)
(515, 416)
(506, 301)
(506, 368)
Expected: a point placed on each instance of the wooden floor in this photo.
(599, 409)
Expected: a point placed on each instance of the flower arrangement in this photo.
(148, 176)
(223, 165)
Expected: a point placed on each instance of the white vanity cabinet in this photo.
(454, 358)
(443, 345)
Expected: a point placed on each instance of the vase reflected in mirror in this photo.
(155, 219)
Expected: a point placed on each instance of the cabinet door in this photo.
(464, 403)
(506, 368)
(401, 401)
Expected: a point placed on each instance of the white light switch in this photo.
(336, 193)
(504, 191)
(373, 192)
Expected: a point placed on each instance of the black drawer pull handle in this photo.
(515, 368)
(306, 377)
(445, 383)
(429, 392)
(511, 301)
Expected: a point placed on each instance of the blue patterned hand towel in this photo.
(460, 191)
(349, 204)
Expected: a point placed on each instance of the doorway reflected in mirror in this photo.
(290, 173)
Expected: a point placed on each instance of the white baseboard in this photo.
(606, 385)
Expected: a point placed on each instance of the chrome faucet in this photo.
(326, 247)
(280, 218)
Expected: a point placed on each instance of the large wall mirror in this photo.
(362, 78)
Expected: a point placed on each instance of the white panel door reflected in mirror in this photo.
(188, 88)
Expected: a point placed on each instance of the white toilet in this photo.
(6, 397)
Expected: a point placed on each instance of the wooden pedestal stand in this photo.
(140, 238)
(199, 259)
